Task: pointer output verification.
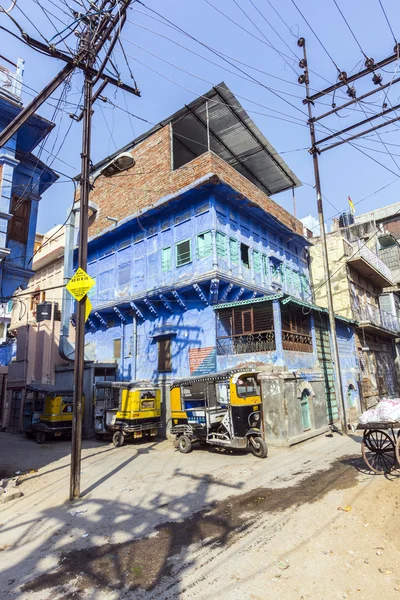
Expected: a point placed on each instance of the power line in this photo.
(387, 21)
(319, 40)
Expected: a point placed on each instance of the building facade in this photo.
(23, 180)
(359, 278)
(35, 325)
(192, 227)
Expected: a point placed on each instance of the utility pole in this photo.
(102, 24)
(338, 378)
(371, 68)
(76, 445)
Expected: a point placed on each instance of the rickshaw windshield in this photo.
(247, 385)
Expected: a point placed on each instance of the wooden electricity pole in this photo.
(102, 25)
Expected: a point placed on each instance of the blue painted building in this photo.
(23, 180)
(158, 277)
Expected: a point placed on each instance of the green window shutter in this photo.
(204, 244)
(276, 271)
(256, 261)
(296, 280)
(166, 261)
(234, 250)
(305, 286)
(265, 264)
(221, 244)
(288, 276)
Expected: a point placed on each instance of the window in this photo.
(124, 275)
(247, 386)
(265, 264)
(117, 348)
(164, 355)
(204, 244)
(244, 255)
(19, 223)
(183, 253)
(36, 299)
(247, 321)
(233, 249)
(276, 271)
(166, 259)
(256, 261)
(105, 281)
(221, 244)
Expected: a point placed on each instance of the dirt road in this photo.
(304, 523)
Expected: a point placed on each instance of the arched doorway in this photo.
(305, 409)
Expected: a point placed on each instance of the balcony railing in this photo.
(242, 344)
(361, 251)
(298, 342)
(375, 315)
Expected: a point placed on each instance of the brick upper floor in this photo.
(153, 178)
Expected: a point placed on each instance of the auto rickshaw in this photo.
(48, 412)
(221, 409)
(126, 409)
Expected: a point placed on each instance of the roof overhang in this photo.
(233, 136)
(365, 268)
(370, 327)
(32, 132)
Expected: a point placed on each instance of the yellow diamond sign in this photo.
(80, 284)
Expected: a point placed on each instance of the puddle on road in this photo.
(141, 564)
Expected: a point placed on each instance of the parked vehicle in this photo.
(126, 409)
(48, 412)
(221, 409)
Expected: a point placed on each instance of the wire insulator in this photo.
(377, 79)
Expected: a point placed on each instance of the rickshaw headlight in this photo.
(254, 419)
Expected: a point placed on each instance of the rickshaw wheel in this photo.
(118, 439)
(40, 437)
(185, 444)
(258, 447)
(378, 450)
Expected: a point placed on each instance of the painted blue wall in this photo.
(27, 178)
(349, 367)
(133, 274)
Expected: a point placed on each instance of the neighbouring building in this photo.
(191, 226)
(35, 324)
(359, 280)
(23, 180)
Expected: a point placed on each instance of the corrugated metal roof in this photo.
(302, 303)
(234, 137)
(249, 301)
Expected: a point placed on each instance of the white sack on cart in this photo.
(388, 409)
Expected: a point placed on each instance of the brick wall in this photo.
(152, 178)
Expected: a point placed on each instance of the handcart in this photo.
(381, 445)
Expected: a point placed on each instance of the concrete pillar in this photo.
(276, 307)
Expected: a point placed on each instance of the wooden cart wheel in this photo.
(398, 449)
(378, 450)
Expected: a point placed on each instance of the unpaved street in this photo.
(308, 522)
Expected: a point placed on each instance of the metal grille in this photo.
(263, 341)
(296, 341)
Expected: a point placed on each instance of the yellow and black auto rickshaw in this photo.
(221, 409)
(48, 412)
(126, 409)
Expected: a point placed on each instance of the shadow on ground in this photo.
(152, 562)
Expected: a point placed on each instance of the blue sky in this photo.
(169, 76)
